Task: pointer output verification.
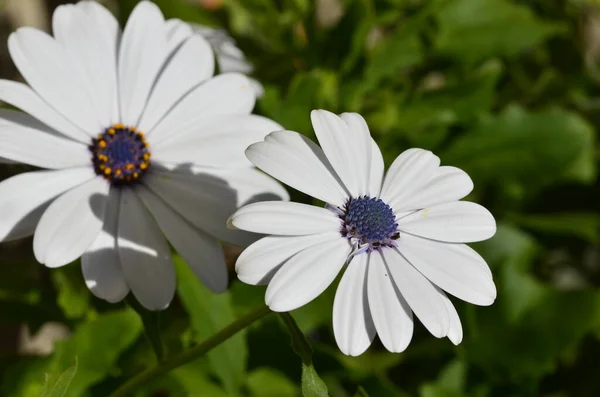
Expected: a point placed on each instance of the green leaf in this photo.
(472, 29)
(450, 383)
(97, 344)
(312, 384)
(532, 148)
(57, 385)
(583, 225)
(268, 382)
(209, 313)
(361, 392)
(73, 295)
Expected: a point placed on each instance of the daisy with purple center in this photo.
(140, 147)
(402, 236)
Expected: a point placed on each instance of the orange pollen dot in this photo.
(102, 144)
(107, 171)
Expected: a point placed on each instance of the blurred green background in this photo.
(508, 90)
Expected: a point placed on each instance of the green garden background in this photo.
(508, 90)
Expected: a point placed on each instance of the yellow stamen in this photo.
(102, 144)
(107, 171)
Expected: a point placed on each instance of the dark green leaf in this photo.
(57, 385)
(209, 313)
(312, 384)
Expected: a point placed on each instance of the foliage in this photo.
(505, 89)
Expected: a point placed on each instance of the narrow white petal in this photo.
(100, 263)
(177, 32)
(300, 163)
(453, 222)
(71, 223)
(45, 65)
(423, 298)
(142, 54)
(353, 326)
(285, 218)
(447, 184)
(21, 96)
(218, 142)
(392, 316)
(223, 95)
(145, 256)
(259, 262)
(82, 32)
(377, 170)
(455, 268)
(190, 65)
(24, 197)
(411, 170)
(306, 275)
(201, 252)
(208, 198)
(455, 332)
(26, 140)
(358, 150)
(346, 148)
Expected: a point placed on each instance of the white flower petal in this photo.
(177, 32)
(71, 223)
(377, 170)
(89, 40)
(353, 326)
(190, 65)
(26, 140)
(306, 275)
(100, 263)
(226, 94)
(300, 163)
(285, 218)
(145, 255)
(201, 252)
(345, 142)
(455, 268)
(208, 198)
(423, 298)
(358, 150)
(142, 54)
(411, 170)
(259, 262)
(391, 315)
(219, 142)
(453, 222)
(447, 184)
(45, 66)
(455, 332)
(21, 96)
(24, 197)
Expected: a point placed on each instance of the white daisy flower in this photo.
(137, 138)
(403, 235)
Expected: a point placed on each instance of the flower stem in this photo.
(128, 388)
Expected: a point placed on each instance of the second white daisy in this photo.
(403, 235)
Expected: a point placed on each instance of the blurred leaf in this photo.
(268, 382)
(193, 379)
(358, 21)
(450, 383)
(472, 29)
(517, 145)
(312, 385)
(73, 295)
(391, 55)
(97, 344)
(209, 313)
(361, 392)
(57, 385)
(151, 321)
(583, 225)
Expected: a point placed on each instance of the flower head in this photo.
(141, 146)
(402, 236)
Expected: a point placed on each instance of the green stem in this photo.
(128, 388)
